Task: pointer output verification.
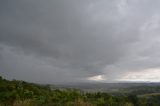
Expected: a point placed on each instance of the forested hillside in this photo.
(21, 93)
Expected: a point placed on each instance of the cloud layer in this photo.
(72, 41)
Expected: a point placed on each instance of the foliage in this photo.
(21, 93)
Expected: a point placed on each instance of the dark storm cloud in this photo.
(70, 40)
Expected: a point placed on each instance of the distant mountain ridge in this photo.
(105, 85)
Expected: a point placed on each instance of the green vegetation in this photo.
(20, 93)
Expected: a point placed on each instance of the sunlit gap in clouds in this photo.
(149, 75)
(97, 78)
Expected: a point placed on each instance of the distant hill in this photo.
(105, 85)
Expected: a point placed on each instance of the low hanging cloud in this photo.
(73, 41)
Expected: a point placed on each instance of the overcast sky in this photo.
(60, 41)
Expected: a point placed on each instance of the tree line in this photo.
(21, 93)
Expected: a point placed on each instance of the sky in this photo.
(61, 41)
